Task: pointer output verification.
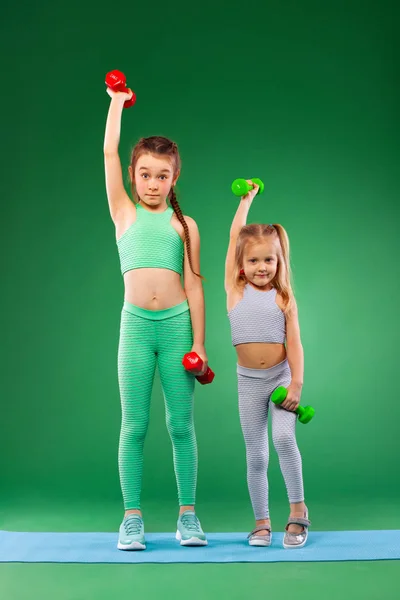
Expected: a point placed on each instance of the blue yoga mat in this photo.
(222, 548)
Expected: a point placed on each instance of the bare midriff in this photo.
(260, 355)
(153, 289)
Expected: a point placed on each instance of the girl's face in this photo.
(260, 263)
(153, 178)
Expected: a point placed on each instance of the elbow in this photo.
(299, 346)
(294, 347)
(109, 151)
(194, 288)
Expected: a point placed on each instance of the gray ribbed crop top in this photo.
(257, 318)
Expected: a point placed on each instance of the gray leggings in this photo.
(255, 389)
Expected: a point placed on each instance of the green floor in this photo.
(364, 580)
(344, 581)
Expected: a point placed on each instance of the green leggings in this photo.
(146, 338)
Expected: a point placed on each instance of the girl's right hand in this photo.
(250, 195)
(123, 96)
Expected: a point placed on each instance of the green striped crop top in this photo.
(151, 241)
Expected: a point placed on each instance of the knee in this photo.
(180, 429)
(133, 431)
(257, 462)
(284, 441)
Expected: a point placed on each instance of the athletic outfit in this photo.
(149, 338)
(257, 318)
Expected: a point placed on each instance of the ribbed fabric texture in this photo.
(143, 344)
(257, 318)
(255, 390)
(151, 241)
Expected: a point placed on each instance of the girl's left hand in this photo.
(201, 351)
(292, 400)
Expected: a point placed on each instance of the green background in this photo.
(301, 94)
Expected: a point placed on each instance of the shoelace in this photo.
(191, 522)
(132, 525)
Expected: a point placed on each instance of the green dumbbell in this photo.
(305, 413)
(240, 187)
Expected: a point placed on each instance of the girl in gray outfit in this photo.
(265, 331)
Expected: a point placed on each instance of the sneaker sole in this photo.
(132, 546)
(193, 541)
(294, 546)
(260, 542)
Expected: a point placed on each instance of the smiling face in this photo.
(153, 177)
(260, 262)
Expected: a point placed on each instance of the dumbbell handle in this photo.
(192, 363)
(305, 413)
(240, 187)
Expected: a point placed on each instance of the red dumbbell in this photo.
(192, 363)
(116, 81)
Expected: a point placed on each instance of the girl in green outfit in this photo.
(161, 319)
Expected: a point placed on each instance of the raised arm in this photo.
(239, 220)
(118, 200)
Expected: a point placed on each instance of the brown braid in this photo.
(181, 218)
(163, 146)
